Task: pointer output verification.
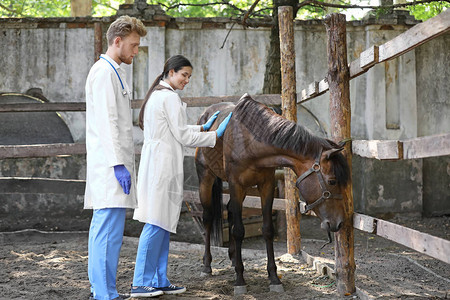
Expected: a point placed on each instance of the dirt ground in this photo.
(52, 265)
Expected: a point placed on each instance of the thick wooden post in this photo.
(98, 40)
(339, 83)
(289, 107)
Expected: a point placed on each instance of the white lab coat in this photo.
(109, 137)
(160, 178)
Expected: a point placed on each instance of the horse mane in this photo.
(272, 129)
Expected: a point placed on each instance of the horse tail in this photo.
(217, 216)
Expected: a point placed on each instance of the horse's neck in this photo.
(269, 156)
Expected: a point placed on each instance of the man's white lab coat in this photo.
(109, 137)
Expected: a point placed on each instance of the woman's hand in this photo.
(211, 120)
(221, 129)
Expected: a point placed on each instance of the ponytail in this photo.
(149, 93)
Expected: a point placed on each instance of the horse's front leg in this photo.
(237, 195)
(266, 190)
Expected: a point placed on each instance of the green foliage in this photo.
(427, 11)
(316, 12)
(199, 8)
(194, 8)
(52, 8)
(34, 8)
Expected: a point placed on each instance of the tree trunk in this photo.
(80, 8)
(272, 75)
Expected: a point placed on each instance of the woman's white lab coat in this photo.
(160, 177)
(109, 137)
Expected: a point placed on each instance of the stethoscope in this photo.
(124, 92)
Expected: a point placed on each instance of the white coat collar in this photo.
(112, 61)
(163, 83)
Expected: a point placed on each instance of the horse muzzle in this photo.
(331, 226)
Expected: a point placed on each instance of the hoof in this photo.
(204, 274)
(278, 288)
(239, 290)
(206, 271)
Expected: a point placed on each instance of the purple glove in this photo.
(124, 178)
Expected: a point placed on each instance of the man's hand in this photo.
(124, 178)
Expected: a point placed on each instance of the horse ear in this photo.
(342, 143)
(329, 153)
(246, 95)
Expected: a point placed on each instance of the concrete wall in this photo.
(403, 98)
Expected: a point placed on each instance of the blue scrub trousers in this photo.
(152, 257)
(105, 241)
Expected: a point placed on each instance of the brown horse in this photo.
(255, 143)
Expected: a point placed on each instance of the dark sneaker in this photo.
(172, 289)
(144, 291)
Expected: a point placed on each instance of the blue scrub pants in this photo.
(105, 241)
(152, 257)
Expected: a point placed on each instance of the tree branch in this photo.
(12, 10)
(97, 3)
(249, 12)
(224, 2)
(324, 4)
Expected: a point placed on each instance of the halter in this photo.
(326, 194)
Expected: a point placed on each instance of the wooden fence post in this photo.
(339, 83)
(289, 107)
(98, 40)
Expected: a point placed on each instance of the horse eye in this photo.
(332, 182)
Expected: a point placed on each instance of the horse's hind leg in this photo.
(266, 190)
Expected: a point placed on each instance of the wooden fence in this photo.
(436, 145)
(429, 146)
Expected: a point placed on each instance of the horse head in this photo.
(321, 188)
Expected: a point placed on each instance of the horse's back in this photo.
(224, 107)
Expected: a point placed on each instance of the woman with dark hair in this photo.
(160, 178)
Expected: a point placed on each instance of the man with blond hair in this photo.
(110, 180)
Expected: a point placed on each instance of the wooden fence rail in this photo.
(267, 99)
(421, 242)
(422, 147)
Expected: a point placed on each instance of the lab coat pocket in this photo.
(170, 181)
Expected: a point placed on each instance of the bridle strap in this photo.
(326, 194)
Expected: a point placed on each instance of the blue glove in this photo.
(221, 129)
(210, 121)
(124, 178)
